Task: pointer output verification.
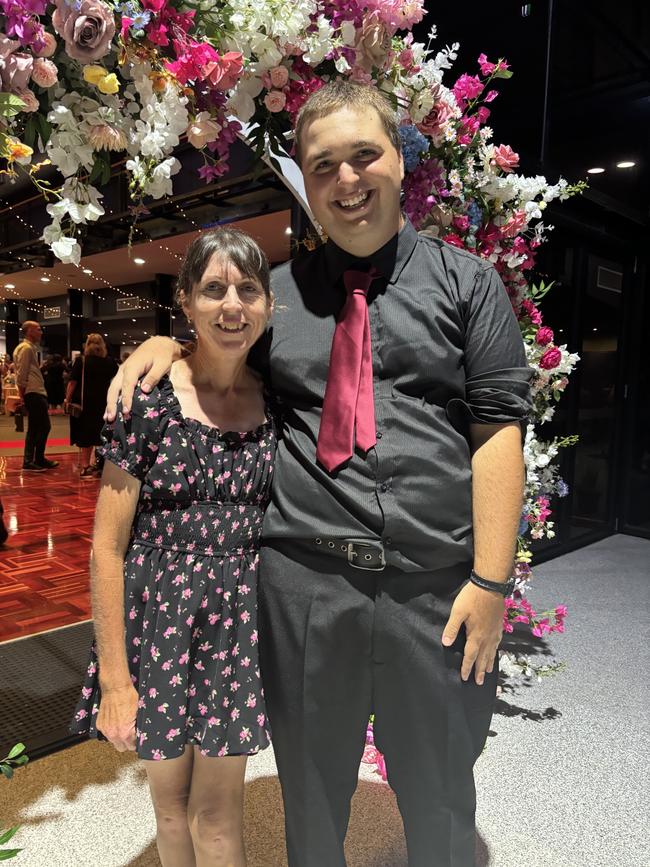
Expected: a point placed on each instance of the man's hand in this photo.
(116, 718)
(482, 613)
(154, 358)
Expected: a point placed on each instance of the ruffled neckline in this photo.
(198, 427)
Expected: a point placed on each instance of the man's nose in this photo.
(347, 174)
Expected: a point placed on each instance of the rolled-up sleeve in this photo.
(497, 375)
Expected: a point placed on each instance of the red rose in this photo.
(551, 358)
(544, 336)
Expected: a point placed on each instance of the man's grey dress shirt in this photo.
(447, 350)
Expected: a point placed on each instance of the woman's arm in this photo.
(116, 505)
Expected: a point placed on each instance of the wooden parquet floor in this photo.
(44, 580)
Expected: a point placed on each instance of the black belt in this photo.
(360, 553)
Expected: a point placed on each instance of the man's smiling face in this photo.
(353, 176)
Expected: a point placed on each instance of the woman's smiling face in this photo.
(229, 310)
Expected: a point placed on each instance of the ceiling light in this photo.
(10, 286)
(105, 335)
(138, 261)
(287, 231)
(45, 279)
(145, 333)
(594, 329)
(626, 164)
(98, 322)
(596, 171)
(87, 271)
(134, 320)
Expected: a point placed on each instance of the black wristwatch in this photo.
(504, 588)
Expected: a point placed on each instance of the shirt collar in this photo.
(389, 260)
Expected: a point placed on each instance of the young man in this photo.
(33, 393)
(401, 373)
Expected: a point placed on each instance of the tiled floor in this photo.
(44, 579)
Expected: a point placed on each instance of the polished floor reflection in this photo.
(44, 579)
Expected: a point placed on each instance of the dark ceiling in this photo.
(593, 108)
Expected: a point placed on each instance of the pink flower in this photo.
(433, 123)
(31, 103)
(275, 100)
(544, 336)
(515, 224)
(224, 72)
(551, 358)
(279, 76)
(373, 43)
(49, 46)
(103, 136)
(16, 69)
(88, 29)
(505, 158)
(532, 311)
(468, 87)
(487, 68)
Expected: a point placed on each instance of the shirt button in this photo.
(379, 434)
(388, 541)
(384, 488)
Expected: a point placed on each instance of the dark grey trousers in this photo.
(38, 429)
(338, 644)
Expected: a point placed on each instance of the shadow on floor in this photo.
(375, 835)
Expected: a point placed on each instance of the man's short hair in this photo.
(346, 94)
(29, 323)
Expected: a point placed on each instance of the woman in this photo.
(53, 369)
(90, 377)
(175, 551)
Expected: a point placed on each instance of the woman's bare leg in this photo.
(216, 810)
(170, 784)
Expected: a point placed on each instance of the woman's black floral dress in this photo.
(190, 581)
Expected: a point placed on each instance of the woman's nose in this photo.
(231, 300)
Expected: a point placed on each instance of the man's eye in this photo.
(321, 166)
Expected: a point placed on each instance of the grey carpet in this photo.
(563, 781)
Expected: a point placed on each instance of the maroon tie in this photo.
(349, 405)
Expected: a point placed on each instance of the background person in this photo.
(33, 394)
(95, 370)
(53, 369)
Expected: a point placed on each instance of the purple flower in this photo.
(88, 28)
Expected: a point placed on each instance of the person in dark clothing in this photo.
(53, 375)
(389, 542)
(89, 380)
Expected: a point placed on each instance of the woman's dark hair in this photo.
(230, 244)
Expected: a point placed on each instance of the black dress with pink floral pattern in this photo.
(190, 581)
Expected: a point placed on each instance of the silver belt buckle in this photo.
(352, 555)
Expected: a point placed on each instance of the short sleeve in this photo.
(132, 443)
(497, 375)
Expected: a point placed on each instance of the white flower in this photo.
(67, 250)
(348, 32)
(242, 105)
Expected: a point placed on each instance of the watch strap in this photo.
(505, 588)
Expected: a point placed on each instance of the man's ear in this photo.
(401, 165)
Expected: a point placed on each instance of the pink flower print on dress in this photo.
(198, 665)
(245, 735)
(184, 658)
(132, 613)
(130, 440)
(203, 709)
(213, 618)
(169, 631)
(182, 710)
(254, 637)
(245, 616)
(151, 412)
(235, 650)
(157, 755)
(153, 692)
(145, 595)
(234, 714)
(155, 653)
(234, 686)
(213, 721)
(244, 589)
(251, 701)
(228, 623)
(86, 692)
(191, 691)
(261, 719)
(82, 714)
(172, 733)
(223, 752)
(176, 680)
(162, 708)
(245, 662)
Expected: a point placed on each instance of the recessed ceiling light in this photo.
(626, 164)
(10, 286)
(139, 261)
(105, 335)
(45, 279)
(134, 320)
(145, 333)
(596, 171)
(98, 322)
(287, 231)
(87, 271)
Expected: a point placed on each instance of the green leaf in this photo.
(97, 169)
(44, 128)
(7, 771)
(29, 136)
(106, 173)
(10, 105)
(21, 761)
(5, 836)
(16, 751)
(9, 853)
(502, 73)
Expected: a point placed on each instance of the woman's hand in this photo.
(152, 361)
(116, 718)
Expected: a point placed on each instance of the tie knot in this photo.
(359, 281)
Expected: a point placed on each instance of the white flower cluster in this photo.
(261, 30)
